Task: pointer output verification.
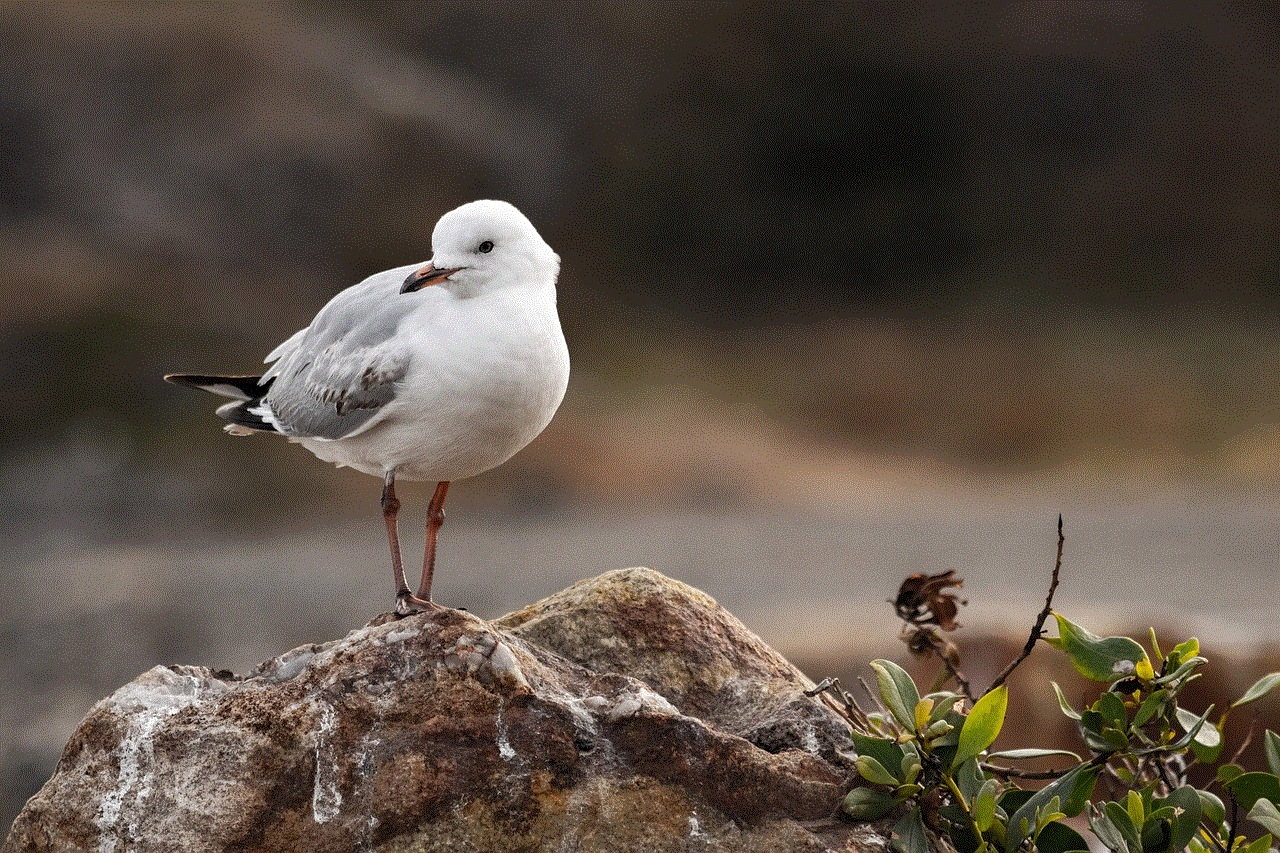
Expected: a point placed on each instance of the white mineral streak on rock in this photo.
(504, 745)
(810, 741)
(145, 702)
(366, 765)
(326, 793)
(695, 829)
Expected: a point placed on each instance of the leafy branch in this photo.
(924, 760)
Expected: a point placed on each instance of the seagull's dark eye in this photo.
(486, 247)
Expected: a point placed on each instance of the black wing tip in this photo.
(235, 387)
(186, 379)
(240, 414)
(246, 393)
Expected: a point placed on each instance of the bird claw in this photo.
(407, 604)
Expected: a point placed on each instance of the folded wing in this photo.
(331, 380)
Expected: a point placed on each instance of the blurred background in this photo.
(851, 292)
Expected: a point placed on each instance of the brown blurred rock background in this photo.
(850, 293)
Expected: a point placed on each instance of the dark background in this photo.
(851, 291)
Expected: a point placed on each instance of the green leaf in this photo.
(1260, 688)
(886, 751)
(1186, 806)
(938, 729)
(1155, 644)
(943, 748)
(1033, 752)
(1111, 707)
(1260, 844)
(922, 711)
(984, 805)
(1156, 835)
(969, 779)
(1108, 833)
(873, 771)
(1186, 650)
(1048, 814)
(1248, 788)
(1212, 808)
(1092, 721)
(1149, 707)
(1133, 805)
(898, 692)
(1227, 773)
(1116, 740)
(1271, 748)
(944, 703)
(1265, 814)
(1121, 820)
(1057, 837)
(1193, 730)
(867, 803)
(1079, 795)
(1013, 799)
(1063, 704)
(1183, 674)
(909, 835)
(910, 767)
(982, 725)
(1206, 736)
(961, 828)
(1205, 754)
(1068, 788)
(1098, 658)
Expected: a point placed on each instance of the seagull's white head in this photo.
(485, 245)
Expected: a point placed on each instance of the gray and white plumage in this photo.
(439, 383)
(423, 372)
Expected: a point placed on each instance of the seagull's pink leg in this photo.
(391, 509)
(435, 517)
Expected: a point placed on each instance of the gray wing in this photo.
(334, 378)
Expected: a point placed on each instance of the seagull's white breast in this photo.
(485, 376)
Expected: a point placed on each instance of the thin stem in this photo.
(1235, 820)
(1248, 738)
(1038, 629)
(964, 804)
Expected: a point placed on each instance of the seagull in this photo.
(432, 372)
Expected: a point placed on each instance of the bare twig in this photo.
(949, 654)
(1248, 739)
(1038, 629)
(1235, 820)
(829, 691)
(965, 687)
(823, 686)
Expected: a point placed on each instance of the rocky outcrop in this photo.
(629, 712)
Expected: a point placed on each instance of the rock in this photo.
(629, 712)
(690, 650)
